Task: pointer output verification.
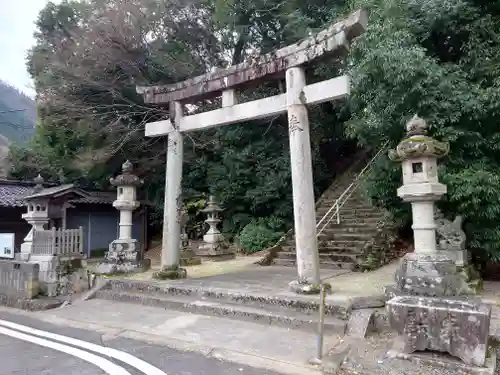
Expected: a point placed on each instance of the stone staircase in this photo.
(341, 244)
(299, 312)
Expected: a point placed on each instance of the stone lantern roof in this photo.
(126, 178)
(212, 206)
(38, 180)
(418, 143)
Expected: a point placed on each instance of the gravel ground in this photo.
(369, 357)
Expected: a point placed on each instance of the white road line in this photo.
(129, 359)
(108, 366)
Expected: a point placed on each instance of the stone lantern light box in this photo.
(418, 155)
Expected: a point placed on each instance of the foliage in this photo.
(440, 60)
(88, 59)
(260, 234)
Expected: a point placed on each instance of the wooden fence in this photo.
(65, 242)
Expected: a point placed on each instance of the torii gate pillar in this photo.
(304, 211)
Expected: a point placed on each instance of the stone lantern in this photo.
(426, 271)
(426, 308)
(214, 246)
(124, 253)
(37, 216)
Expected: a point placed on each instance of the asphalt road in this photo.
(25, 351)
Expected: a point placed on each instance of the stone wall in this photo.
(19, 279)
(382, 248)
(61, 275)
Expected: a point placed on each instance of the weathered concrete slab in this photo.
(361, 323)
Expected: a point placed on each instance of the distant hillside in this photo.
(17, 114)
(4, 153)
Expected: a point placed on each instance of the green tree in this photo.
(89, 57)
(439, 60)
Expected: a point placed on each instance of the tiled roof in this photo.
(55, 190)
(96, 197)
(11, 195)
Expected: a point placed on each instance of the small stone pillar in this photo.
(214, 246)
(187, 254)
(124, 253)
(37, 216)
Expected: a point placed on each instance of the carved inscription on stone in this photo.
(171, 144)
(294, 124)
(458, 327)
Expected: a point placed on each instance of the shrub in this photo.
(259, 234)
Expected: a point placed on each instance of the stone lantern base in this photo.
(217, 251)
(188, 257)
(123, 256)
(429, 275)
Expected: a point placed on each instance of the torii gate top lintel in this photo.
(332, 41)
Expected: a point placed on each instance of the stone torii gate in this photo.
(290, 60)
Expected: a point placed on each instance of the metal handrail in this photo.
(347, 193)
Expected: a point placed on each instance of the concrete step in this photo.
(329, 248)
(344, 243)
(227, 309)
(346, 236)
(348, 214)
(323, 264)
(341, 229)
(360, 216)
(349, 220)
(340, 250)
(270, 302)
(347, 208)
(342, 257)
(351, 227)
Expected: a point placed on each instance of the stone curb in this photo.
(340, 308)
(29, 304)
(283, 318)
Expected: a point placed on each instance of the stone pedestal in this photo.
(123, 256)
(460, 328)
(214, 246)
(430, 275)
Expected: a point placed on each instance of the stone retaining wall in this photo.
(19, 279)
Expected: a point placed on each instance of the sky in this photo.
(17, 25)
